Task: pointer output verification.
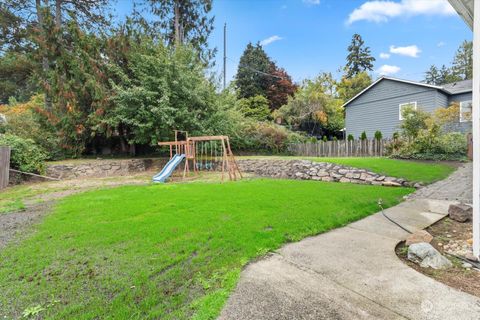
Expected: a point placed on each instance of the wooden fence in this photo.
(4, 166)
(354, 148)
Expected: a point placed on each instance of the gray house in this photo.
(380, 105)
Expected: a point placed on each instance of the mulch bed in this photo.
(444, 231)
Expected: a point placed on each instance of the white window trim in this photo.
(404, 104)
(461, 113)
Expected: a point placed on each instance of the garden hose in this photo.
(380, 202)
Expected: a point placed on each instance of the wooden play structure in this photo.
(204, 153)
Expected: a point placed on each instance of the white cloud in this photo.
(266, 42)
(386, 70)
(384, 10)
(441, 44)
(409, 51)
(312, 2)
(384, 55)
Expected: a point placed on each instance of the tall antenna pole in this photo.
(224, 56)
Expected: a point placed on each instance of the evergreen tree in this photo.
(440, 76)
(253, 76)
(185, 22)
(432, 76)
(463, 61)
(359, 58)
(447, 75)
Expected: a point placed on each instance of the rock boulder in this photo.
(427, 256)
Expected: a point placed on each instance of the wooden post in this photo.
(4, 166)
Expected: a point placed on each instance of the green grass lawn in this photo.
(424, 172)
(412, 171)
(171, 251)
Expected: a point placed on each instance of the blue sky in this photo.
(311, 36)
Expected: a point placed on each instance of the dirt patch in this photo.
(445, 232)
(12, 224)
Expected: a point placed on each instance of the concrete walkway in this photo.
(352, 273)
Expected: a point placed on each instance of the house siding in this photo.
(378, 108)
(460, 126)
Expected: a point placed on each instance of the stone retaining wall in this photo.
(103, 168)
(287, 169)
(321, 171)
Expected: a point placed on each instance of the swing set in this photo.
(204, 153)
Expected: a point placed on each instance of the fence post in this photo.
(4, 166)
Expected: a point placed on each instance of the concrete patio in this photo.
(354, 273)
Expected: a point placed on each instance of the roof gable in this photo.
(420, 84)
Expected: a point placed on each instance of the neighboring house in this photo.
(379, 106)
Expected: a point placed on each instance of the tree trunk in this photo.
(45, 63)
(58, 13)
(177, 24)
(123, 140)
(132, 150)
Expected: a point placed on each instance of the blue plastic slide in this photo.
(168, 169)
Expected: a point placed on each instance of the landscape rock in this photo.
(460, 212)
(391, 184)
(103, 168)
(427, 256)
(308, 170)
(419, 236)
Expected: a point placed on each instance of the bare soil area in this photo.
(446, 232)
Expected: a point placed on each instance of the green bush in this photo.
(363, 136)
(254, 107)
(453, 143)
(25, 154)
(378, 135)
(423, 137)
(25, 121)
(350, 137)
(325, 139)
(448, 146)
(270, 137)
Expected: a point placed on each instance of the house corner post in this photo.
(476, 129)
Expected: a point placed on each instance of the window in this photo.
(403, 106)
(466, 111)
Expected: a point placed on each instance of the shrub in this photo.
(424, 136)
(254, 107)
(378, 135)
(413, 121)
(324, 138)
(271, 137)
(453, 143)
(24, 120)
(363, 136)
(25, 155)
(350, 137)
